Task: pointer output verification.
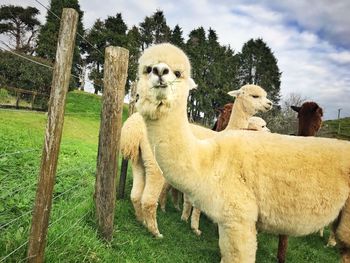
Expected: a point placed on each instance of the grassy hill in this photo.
(72, 235)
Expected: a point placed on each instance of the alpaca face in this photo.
(252, 98)
(164, 80)
(257, 124)
(310, 118)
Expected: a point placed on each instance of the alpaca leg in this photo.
(163, 195)
(343, 232)
(186, 210)
(153, 187)
(331, 240)
(321, 232)
(238, 242)
(138, 184)
(196, 213)
(282, 248)
(176, 198)
(149, 201)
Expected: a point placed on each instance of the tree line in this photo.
(216, 68)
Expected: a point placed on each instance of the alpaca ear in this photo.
(193, 84)
(234, 93)
(295, 108)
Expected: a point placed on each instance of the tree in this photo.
(48, 35)
(154, 30)
(112, 31)
(134, 47)
(214, 68)
(21, 24)
(176, 37)
(94, 58)
(258, 65)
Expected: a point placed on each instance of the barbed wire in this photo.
(53, 13)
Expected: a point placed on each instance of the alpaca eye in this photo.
(255, 96)
(177, 74)
(148, 69)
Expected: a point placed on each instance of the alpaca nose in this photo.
(160, 70)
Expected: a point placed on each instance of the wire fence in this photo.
(72, 198)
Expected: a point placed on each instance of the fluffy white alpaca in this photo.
(242, 179)
(257, 124)
(146, 189)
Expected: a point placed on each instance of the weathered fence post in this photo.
(59, 88)
(115, 73)
(124, 168)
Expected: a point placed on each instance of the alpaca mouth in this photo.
(162, 85)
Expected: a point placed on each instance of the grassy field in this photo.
(72, 235)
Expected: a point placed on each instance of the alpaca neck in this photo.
(239, 118)
(173, 144)
(306, 132)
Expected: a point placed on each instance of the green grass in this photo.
(72, 235)
(337, 128)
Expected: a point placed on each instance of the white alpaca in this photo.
(257, 124)
(242, 179)
(146, 190)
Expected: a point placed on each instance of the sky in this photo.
(310, 38)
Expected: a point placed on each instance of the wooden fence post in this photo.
(115, 73)
(124, 168)
(59, 88)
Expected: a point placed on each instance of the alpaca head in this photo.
(224, 116)
(164, 80)
(257, 124)
(252, 99)
(310, 118)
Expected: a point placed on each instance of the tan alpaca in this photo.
(147, 188)
(242, 179)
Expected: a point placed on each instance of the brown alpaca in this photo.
(224, 117)
(310, 121)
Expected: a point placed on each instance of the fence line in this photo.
(81, 218)
(28, 212)
(65, 214)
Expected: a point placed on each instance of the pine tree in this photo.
(259, 66)
(112, 31)
(176, 37)
(21, 24)
(196, 50)
(94, 58)
(154, 30)
(134, 46)
(48, 35)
